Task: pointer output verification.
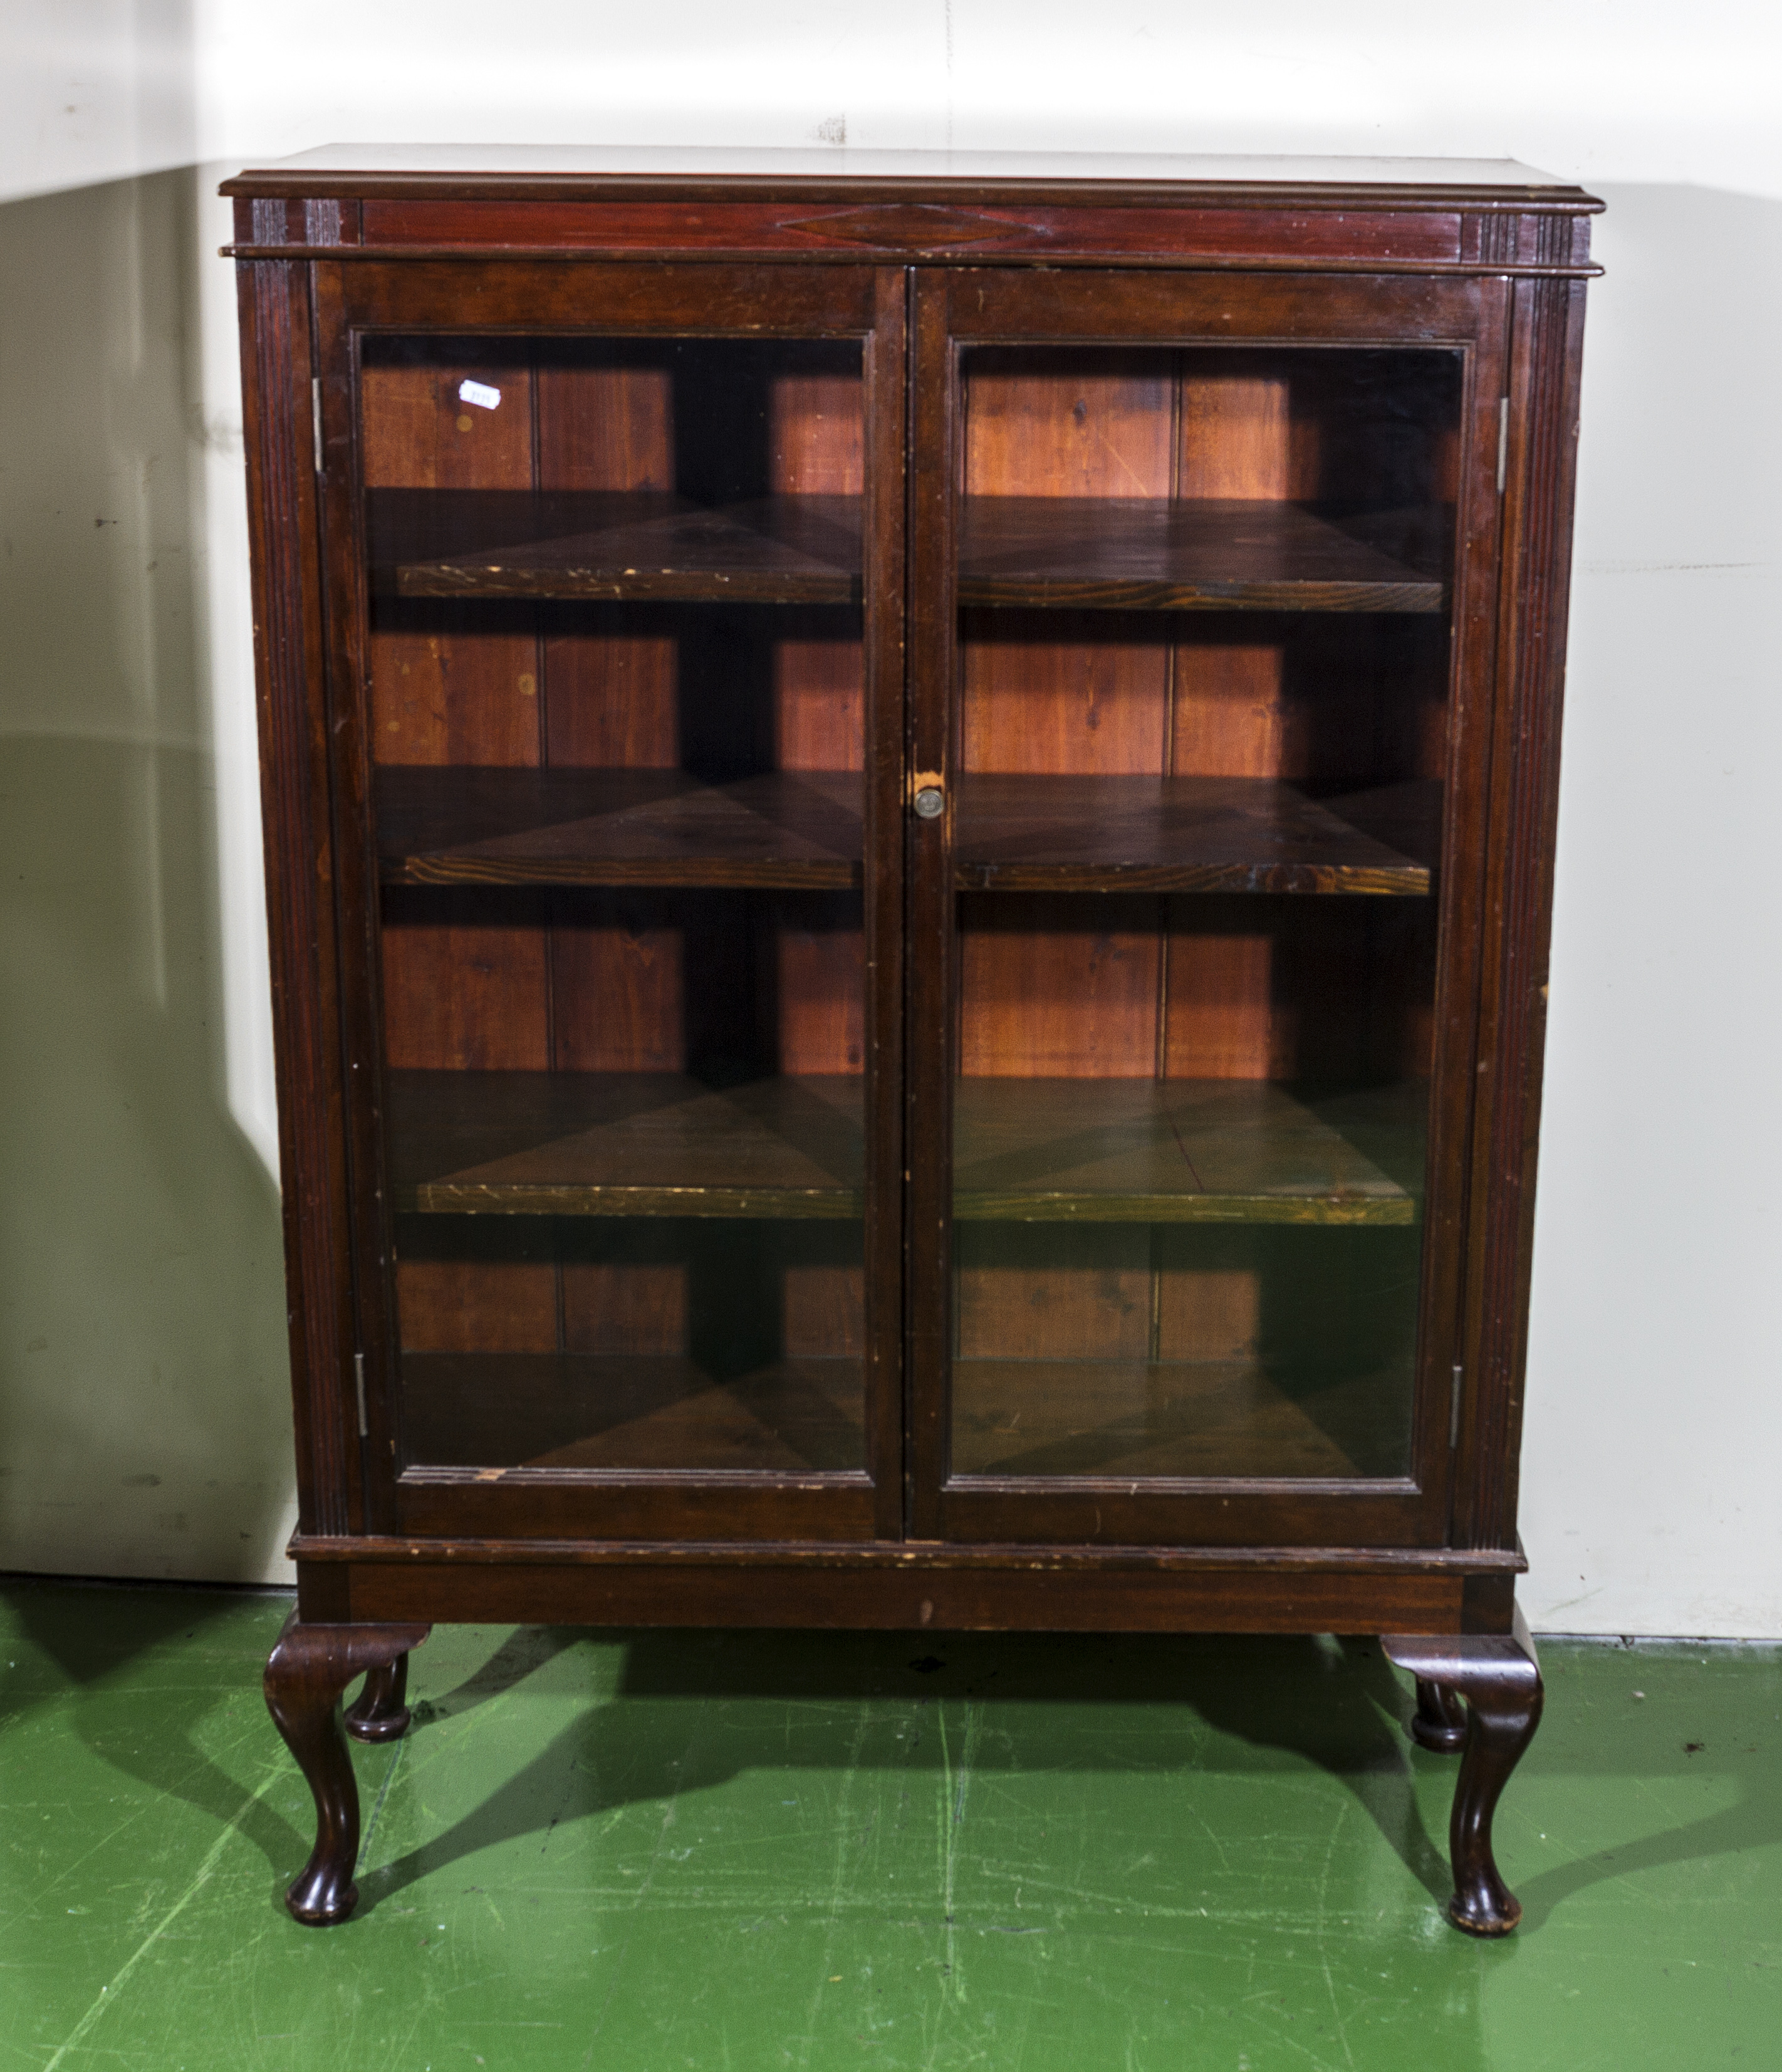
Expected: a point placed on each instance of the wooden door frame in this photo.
(959, 307)
(530, 296)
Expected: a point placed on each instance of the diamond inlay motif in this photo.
(910, 226)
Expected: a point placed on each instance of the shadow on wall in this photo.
(145, 1427)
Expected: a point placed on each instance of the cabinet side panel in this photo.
(299, 875)
(1539, 486)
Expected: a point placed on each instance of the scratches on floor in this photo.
(766, 1853)
(111, 1993)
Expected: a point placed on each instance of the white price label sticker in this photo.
(479, 393)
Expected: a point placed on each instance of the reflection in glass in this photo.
(1201, 741)
(616, 700)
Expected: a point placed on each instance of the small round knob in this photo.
(930, 803)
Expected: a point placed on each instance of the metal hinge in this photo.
(1503, 442)
(315, 417)
(1453, 1416)
(358, 1384)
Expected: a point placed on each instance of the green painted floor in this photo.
(752, 1851)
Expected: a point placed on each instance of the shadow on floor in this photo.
(92, 1631)
(97, 1634)
(1337, 1705)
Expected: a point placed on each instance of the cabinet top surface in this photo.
(496, 170)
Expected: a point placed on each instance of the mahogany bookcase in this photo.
(908, 806)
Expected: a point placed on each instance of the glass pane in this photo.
(616, 662)
(1202, 733)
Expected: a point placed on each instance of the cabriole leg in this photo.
(305, 1673)
(1500, 1678)
(381, 1713)
(1441, 1721)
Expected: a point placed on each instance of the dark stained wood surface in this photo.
(627, 1143)
(1407, 818)
(380, 1712)
(626, 976)
(1500, 1678)
(454, 824)
(1011, 1417)
(310, 1666)
(289, 584)
(1184, 1151)
(1100, 552)
(1029, 1150)
(1040, 834)
(1515, 844)
(637, 545)
(498, 1579)
(1071, 209)
(916, 229)
(1230, 697)
(556, 1411)
(1183, 1419)
(320, 1552)
(1228, 986)
(718, 171)
(1212, 554)
(458, 825)
(741, 1506)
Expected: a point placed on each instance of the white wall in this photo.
(1654, 1431)
(145, 1424)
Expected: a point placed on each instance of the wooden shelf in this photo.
(1026, 1150)
(1105, 554)
(631, 1411)
(1199, 554)
(802, 830)
(1226, 1151)
(623, 1144)
(644, 1413)
(1183, 834)
(455, 826)
(1024, 1418)
(642, 546)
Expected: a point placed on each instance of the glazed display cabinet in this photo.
(908, 815)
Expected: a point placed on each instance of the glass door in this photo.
(625, 618)
(1190, 732)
